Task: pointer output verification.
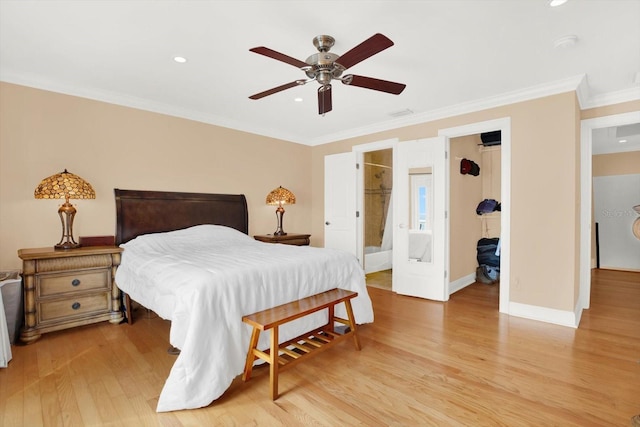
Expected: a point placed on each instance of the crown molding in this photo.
(611, 98)
(582, 92)
(539, 91)
(123, 100)
(578, 83)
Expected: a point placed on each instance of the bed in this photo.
(188, 258)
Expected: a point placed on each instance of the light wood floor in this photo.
(422, 363)
(380, 279)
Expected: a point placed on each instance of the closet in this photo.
(467, 190)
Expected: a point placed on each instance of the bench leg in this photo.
(352, 320)
(248, 367)
(273, 365)
(331, 324)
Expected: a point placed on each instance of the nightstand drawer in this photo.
(54, 284)
(73, 307)
(55, 265)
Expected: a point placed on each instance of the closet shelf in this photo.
(492, 215)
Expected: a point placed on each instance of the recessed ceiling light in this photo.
(566, 41)
(622, 141)
(556, 3)
(298, 99)
(180, 59)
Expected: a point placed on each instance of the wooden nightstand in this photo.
(68, 288)
(287, 239)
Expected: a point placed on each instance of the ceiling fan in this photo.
(325, 66)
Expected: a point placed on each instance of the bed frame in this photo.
(144, 212)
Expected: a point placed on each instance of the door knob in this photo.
(327, 223)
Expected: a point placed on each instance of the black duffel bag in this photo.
(486, 252)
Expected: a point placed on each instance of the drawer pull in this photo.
(75, 282)
(75, 305)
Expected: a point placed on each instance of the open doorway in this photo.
(378, 212)
(475, 211)
(616, 191)
(590, 134)
(504, 126)
(374, 205)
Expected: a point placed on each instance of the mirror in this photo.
(420, 214)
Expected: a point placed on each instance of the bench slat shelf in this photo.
(292, 352)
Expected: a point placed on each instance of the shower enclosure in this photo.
(378, 184)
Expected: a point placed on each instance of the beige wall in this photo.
(544, 153)
(544, 172)
(111, 146)
(491, 160)
(616, 164)
(610, 110)
(41, 133)
(464, 195)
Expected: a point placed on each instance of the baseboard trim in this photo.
(544, 314)
(461, 283)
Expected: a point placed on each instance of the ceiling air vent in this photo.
(401, 113)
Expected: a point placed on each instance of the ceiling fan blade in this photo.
(375, 84)
(279, 56)
(277, 89)
(324, 99)
(374, 44)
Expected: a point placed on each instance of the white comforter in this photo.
(205, 278)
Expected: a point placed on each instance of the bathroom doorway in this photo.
(378, 211)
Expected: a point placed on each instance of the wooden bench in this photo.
(292, 352)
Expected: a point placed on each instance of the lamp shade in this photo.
(64, 185)
(281, 196)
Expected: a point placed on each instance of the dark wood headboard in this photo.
(144, 212)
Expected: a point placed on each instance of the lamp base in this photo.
(67, 212)
(279, 214)
(66, 245)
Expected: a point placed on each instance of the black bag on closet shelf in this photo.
(486, 252)
(487, 206)
(469, 167)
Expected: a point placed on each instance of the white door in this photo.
(340, 201)
(419, 216)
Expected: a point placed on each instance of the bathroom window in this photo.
(421, 201)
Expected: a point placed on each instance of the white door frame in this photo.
(504, 125)
(586, 192)
(359, 151)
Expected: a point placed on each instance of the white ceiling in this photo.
(616, 139)
(454, 56)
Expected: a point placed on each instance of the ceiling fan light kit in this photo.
(326, 66)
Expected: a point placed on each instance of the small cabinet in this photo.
(68, 288)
